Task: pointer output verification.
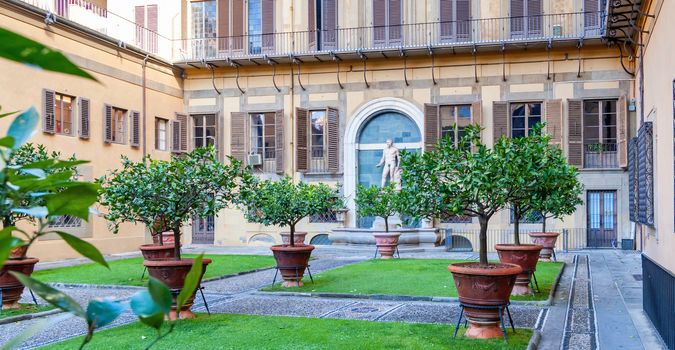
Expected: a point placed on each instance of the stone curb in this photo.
(25, 317)
(534, 340)
(387, 297)
(554, 287)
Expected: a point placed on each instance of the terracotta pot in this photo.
(11, 287)
(484, 286)
(18, 252)
(168, 238)
(525, 256)
(298, 237)
(292, 262)
(172, 273)
(157, 252)
(547, 240)
(386, 243)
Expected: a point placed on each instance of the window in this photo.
(600, 134)
(453, 121)
(526, 18)
(593, 16)
(161, 126)
(65, 221)
(63, 114)
(534, 217)
(118, 126)
(203, 15)
(323, 23)
(260, 25)
(387, 21)
(524, 116)
(455, 20)
(145, 18)
(204, 130)
(262, 135)
(317, 139)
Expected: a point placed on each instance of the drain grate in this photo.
(364, 309)
(638, 277)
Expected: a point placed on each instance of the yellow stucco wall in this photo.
(119, 83)
(659, 74)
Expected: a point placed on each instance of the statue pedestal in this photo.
(395, 223)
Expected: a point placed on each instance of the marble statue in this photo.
(391, 161)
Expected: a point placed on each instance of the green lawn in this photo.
(413, 277)
(24, 309)
(128, 271)
(275, 332)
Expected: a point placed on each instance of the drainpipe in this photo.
(144, 107)
(292, 111)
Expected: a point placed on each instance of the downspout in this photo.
(292, 91)
(145, 112)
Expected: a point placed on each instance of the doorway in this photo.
(203, 230)
(601, 220)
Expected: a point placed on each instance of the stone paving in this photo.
(572, 322)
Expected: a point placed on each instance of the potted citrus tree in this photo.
(525, 165)
(556, 195)
(189, 185)
(284, 203)
(382, 202)
(131, 195)
(467, 180)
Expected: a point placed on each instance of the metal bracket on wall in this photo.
(273, 63)
(298, 61)
(549, 46)
(236, 65)
(579, 45)
(503, 62)
(474, 52)
(365, 67)
(213, 75)
(433, 65)
(337, 60)
(405, 66)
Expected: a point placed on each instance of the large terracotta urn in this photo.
(298, 237)
(386, 243)
(524, 255)
(547, 240)
(11, 287)
(292, 262)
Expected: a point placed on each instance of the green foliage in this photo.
(469, 180)
(18, 48)
(191, 281)
(284, 203)
(375, 201)
(164, 195)
(557, 191)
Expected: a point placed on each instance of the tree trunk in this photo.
(516, 226)
(161, 238)
(292, 235)
(482, 253)
(176, 241)
(543, 224)
(7, 222)
(386, 224)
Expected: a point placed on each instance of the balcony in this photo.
(393, 40)
(600, 156)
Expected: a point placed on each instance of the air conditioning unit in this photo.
(254, 159)
(557, 30)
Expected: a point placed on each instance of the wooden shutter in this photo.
(477, 113)
(534, 16)
(268, 24)
(175, 136)
(85, 108)
(48, 118)
(301, 140)
(183, 120)
(500, 120)
(107, 124)
(463, 17)
(238, 135)
(575, 151)
(279, 140)
(517, 19)
(395, 20)
(223, 24)
(553, 118)
(311, 24)
(329, 24)
(237, 33)
(622, 130)
(431, 126)
(135, 136)
(333, 138)
(157, 121)
(139, 19)
(379, 21)
(152, 18)
(447, 17)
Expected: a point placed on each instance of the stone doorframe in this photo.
(361, 116)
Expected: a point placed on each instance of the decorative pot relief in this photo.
(485, 286)
(519, 257)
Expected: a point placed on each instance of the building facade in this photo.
(312, 89)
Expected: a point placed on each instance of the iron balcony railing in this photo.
(373, 38)
(392, 38)
(601, 155)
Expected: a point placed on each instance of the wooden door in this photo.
(601, 219)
